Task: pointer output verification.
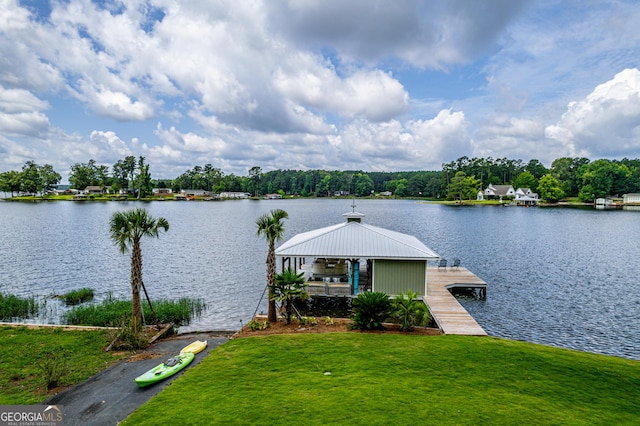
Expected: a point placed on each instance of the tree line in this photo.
(459, 179)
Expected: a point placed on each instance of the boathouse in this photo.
(352, 257)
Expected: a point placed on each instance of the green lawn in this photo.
(381, 379)
(24, 351)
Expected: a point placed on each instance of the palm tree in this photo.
(127, 229)
(289, 286)
(270, 225)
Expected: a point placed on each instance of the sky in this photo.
(371, 85)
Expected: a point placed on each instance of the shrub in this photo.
(310, 321)
(128, 337)
(289, 286)
(258, 325)
(53, 366)
(409, 312)
(370, 310)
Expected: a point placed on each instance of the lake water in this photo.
(557, 276)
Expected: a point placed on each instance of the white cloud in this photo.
(21, 113)
(24, 123)
(188, 142)
(111, 143)
(118, 105)
(372, 95)
(516, 138)
(442, 138)
(20, 40)
(606, 122)
(416, 145)
(17, 100)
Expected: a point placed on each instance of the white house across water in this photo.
(352, 257)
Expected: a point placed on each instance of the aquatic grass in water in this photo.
(14, 307)
(179, 312)
(75, 297)
(112, 312)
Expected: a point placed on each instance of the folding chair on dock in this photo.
(442, 264)
(455, 264)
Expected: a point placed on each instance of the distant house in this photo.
(160, 192)
(237, 195)
(526, 197)
(386, 193)
(521, 196)
(499, 191)
(62, 190)
(94, 189)
(195, 193)
(631, 198)
(341, 193)
(608, 203)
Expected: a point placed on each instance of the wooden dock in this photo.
(451, 317)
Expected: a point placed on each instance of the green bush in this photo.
(75, 297)
(370, 309)
(409, 312)
(53, 364)
(128, 337)
(289, 287)
(258, 325)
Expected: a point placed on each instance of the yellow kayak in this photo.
(195, 347)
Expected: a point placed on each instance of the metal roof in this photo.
(353, 240)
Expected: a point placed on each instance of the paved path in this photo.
(111, 395)
(451, 317)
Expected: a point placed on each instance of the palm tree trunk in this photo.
(136, 280)
(271, 276)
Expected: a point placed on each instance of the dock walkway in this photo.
(451, 317)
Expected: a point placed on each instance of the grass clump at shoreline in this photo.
(367, 378)
(15, 307)
(30, 359)
(111, 312)
(76, 297)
